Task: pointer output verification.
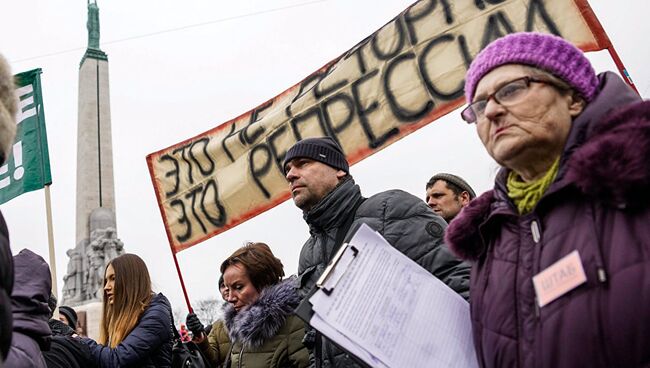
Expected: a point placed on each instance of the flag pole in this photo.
(621, 67)
(180, 278)
(603, 40)
(50, 240)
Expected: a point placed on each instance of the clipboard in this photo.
(305, 309)
(411, 293)
(329, 274)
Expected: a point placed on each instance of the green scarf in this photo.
(526, 195)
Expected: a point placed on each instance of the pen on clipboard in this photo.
(331, 266)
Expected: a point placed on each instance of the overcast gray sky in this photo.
(169, 86)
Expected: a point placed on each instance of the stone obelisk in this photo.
(96, 233)
(94, 145)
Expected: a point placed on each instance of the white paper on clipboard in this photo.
(389, 311)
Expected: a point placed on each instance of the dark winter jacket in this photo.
(60, 328)
(403, 219)
(267, 334)
(599, 205)
(65, 350)
(148, 345)
(68, 352)
(30, 311)
(6, 285)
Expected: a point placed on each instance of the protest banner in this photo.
(402, 77)
(28, 165)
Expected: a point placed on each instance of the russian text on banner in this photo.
(28, 165)
(405, 75)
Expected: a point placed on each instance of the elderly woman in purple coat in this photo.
(561, 245)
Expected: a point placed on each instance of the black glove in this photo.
(194, 324)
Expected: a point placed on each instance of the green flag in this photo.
(28, 166)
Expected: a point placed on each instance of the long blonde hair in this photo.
(131, 295)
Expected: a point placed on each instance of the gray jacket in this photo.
(403, 219)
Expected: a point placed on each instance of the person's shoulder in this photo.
(612, 166)
(160, 299)
(294, 322)
(392, 195)
(158, 306)
(395, 200)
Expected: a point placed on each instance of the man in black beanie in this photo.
(322, 187)
(66, 351)
(69, 316)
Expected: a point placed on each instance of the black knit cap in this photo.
(322, 149)
(70, 314)
(456, 180)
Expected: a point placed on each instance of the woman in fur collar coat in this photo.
(259, 327)
(561, 245)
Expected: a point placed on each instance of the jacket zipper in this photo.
(537, 238)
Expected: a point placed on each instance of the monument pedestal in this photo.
(93, 318)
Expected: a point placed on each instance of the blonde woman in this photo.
(135, 330)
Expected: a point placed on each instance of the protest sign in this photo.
(402, 77)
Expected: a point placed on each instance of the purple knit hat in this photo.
(544, 51)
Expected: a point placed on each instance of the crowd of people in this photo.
(554, 260)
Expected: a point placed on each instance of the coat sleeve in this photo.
(6, 285)
(217, 345)
(151, 332)
(24, 353)
(297, 352)
(409, 225)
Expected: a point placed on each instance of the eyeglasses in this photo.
(507, 95)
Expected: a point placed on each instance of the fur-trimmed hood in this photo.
(8, 108)
(262, 320)
(606, 158)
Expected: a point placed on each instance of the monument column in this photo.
(95, 186)
(96, 241)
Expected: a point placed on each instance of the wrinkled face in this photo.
(538, 125)
(443, 201)
(109, 284)
(310, 181)
(241, 292)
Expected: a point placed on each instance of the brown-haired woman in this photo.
(135, 329)
(260, 329)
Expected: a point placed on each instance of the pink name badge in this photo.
(559, 278)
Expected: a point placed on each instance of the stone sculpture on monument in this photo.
(97, 242)
(84, 280)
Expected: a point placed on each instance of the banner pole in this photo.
(621, 67)
(180, 277)
(604, 42)
(50, 240)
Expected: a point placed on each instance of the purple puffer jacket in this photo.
(31, 333)
(599, 205)
(6, 285)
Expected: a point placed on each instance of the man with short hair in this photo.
(447, 194)
(322, 187)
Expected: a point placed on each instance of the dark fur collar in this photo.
(612, 166)
(254, 325)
